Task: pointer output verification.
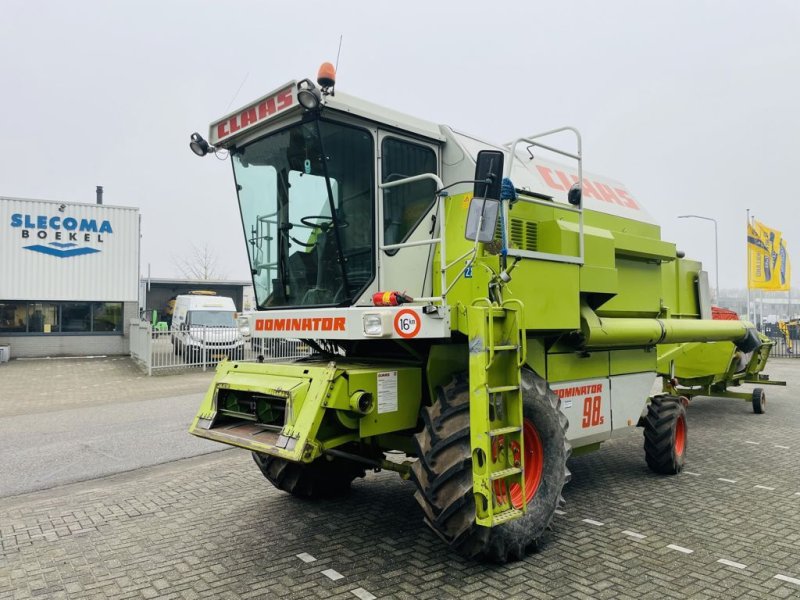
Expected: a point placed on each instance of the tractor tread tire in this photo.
(660, 425)
(443, 473)
(319, 479)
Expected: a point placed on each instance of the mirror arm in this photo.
(488, 181)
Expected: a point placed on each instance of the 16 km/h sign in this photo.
(407, 323)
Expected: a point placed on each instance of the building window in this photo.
(43, 317)
(13, 317)
(76, 317)
(21, 317)
(107, 316)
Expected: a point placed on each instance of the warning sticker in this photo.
(387, 392)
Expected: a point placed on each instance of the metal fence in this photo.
(156, 350)
(782, 350)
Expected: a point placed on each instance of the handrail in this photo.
(429, 242)
(530, 140)
(432, 241)
(413, 179)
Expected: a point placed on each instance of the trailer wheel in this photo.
(665, 435)
(443, 473)
(320, 479)
(759, 401)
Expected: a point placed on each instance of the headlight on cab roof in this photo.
(377, 324)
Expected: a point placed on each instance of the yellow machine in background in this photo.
(786, 328)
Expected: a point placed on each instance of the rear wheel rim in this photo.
(680, 436)
(534, 465)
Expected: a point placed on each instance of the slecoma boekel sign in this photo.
(61, 236)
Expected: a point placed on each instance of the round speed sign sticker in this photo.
(407, 323)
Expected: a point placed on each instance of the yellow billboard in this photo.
(767, 258)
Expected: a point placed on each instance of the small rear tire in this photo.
(665, 435)
(759, 401)
(322, 478)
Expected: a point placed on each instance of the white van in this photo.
(204, 328)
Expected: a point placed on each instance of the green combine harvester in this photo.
(479, 308)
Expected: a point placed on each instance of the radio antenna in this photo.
(338, 52)
(239, 89)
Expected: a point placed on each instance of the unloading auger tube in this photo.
(603, 332)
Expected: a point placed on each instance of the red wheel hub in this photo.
(534, 467)
(680, 436)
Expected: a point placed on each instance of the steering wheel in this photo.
(324, 222)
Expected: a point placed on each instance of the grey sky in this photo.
(692, 104)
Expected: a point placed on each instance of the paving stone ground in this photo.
(45, 385)
(212, 527)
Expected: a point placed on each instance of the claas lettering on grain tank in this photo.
(591, 189)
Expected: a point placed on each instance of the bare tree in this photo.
(200, 263)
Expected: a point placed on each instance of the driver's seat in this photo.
(319, 292)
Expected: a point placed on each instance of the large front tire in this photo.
(443, 472)
(322, 478)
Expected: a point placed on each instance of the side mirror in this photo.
(574, 194)
(489, 172)
(487, 208)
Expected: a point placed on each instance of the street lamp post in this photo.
(716, 247)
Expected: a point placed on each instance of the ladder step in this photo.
(505, 348)
(506, 515)
(504, 431)
(505, 473)
(502, 388)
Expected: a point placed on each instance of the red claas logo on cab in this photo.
(407, 323)
(253, 114)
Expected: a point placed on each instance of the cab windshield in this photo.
(306, 199)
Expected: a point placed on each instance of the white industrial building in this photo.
(69, 276)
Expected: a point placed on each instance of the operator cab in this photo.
(306, 165)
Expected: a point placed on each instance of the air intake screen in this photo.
(523, 234)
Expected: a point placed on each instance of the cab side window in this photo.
(405, 205)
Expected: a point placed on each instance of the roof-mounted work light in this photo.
(308, 95)
(198, 145)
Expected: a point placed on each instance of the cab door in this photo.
(406, 213)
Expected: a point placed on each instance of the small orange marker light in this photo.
(326, 77)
